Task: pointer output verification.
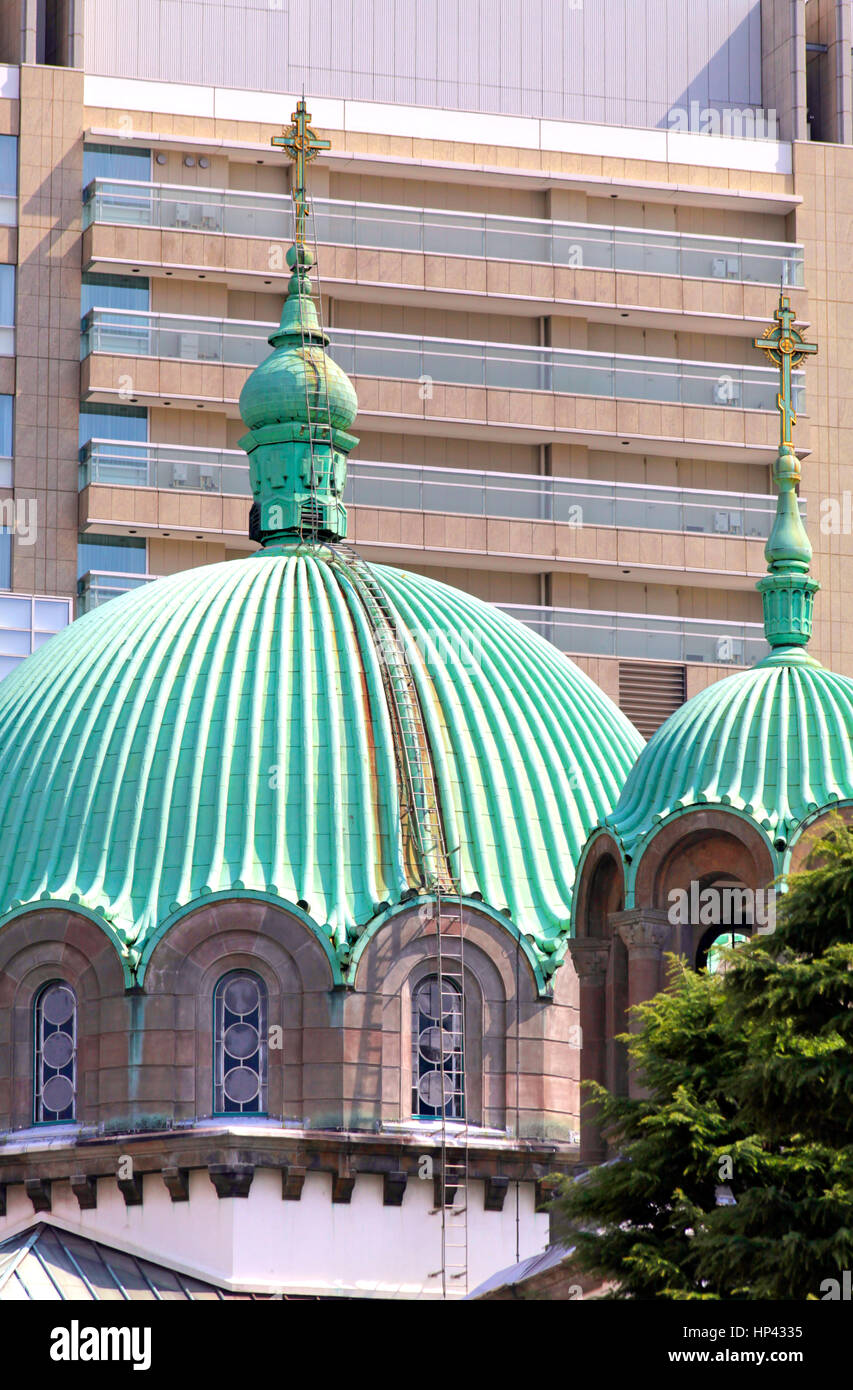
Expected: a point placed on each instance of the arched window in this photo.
(240, 1045)
(438, 1075)
(55, 1088)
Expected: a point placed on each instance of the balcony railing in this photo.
(640, 637)
(235, 342)
(583, 632)
(433, 232)
(464, 492)
(99, 586)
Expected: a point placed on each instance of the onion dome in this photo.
(774, 743)
(298, 405)
(240, 729)
(227, 731)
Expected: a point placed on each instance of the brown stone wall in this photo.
(345, 1055)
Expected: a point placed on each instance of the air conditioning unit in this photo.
(726, 392)
(188, 346)
(182, 214)
(179, 475)
(207, 479)
(729, 651)
(727, 523)
(725, 268)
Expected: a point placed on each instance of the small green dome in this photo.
(299, 383)
(227, 729)
(774, 743)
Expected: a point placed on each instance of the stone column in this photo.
(645, 934)
(590, 956)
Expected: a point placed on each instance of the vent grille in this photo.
(649, 692)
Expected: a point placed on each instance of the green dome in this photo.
(226, 730)
(774, 743)
(298, 383)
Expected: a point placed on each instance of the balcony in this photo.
(461, 492)
(431, 232)
(99, 586)
(642, 637)
(576, 631)
(453, 386)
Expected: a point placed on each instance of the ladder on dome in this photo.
(421, 823)
(421, 817)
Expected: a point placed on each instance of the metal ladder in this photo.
(423, 831)
(421, 818)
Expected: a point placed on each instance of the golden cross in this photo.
(301, 144)
(785, 347)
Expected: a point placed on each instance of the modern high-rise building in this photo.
(547, 235)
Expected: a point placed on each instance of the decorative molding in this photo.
(394, 1188)
(85, 1189)
(38, 1191)
(292, 1183)
(231, 1180)
(177, 1181)
(590, 956)
(495, 1194)
(131, 1190)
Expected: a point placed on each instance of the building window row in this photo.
(241, 1052)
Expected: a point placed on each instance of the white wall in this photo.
(263, 1243)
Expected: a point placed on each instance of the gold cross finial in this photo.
(301, 144)
(784, 346)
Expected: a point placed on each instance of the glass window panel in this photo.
(55, 1081)
(14, 643)
(7, 295)
(240, 1048)
(49, 617)
(15, 612)
(112, 422)
(438, 1085)
(114, 292)
(115, 162)
(8, 665)
(119, 554)
(8, 164)
(5, 426)
(5, 560)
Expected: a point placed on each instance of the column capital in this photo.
(590, 957)
(643, 931)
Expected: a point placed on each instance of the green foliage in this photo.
(756, 1064)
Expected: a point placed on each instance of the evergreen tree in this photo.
(792, 992)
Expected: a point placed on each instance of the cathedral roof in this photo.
(774, 742)
(227, 729)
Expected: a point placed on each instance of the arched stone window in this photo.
(55, 1079)
(438, 1059)
(240, 1045)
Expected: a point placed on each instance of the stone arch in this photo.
(802, 841)
(599, 889)
(36, 948)
(176, 1006)
(694, 844)
(519, 1063)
